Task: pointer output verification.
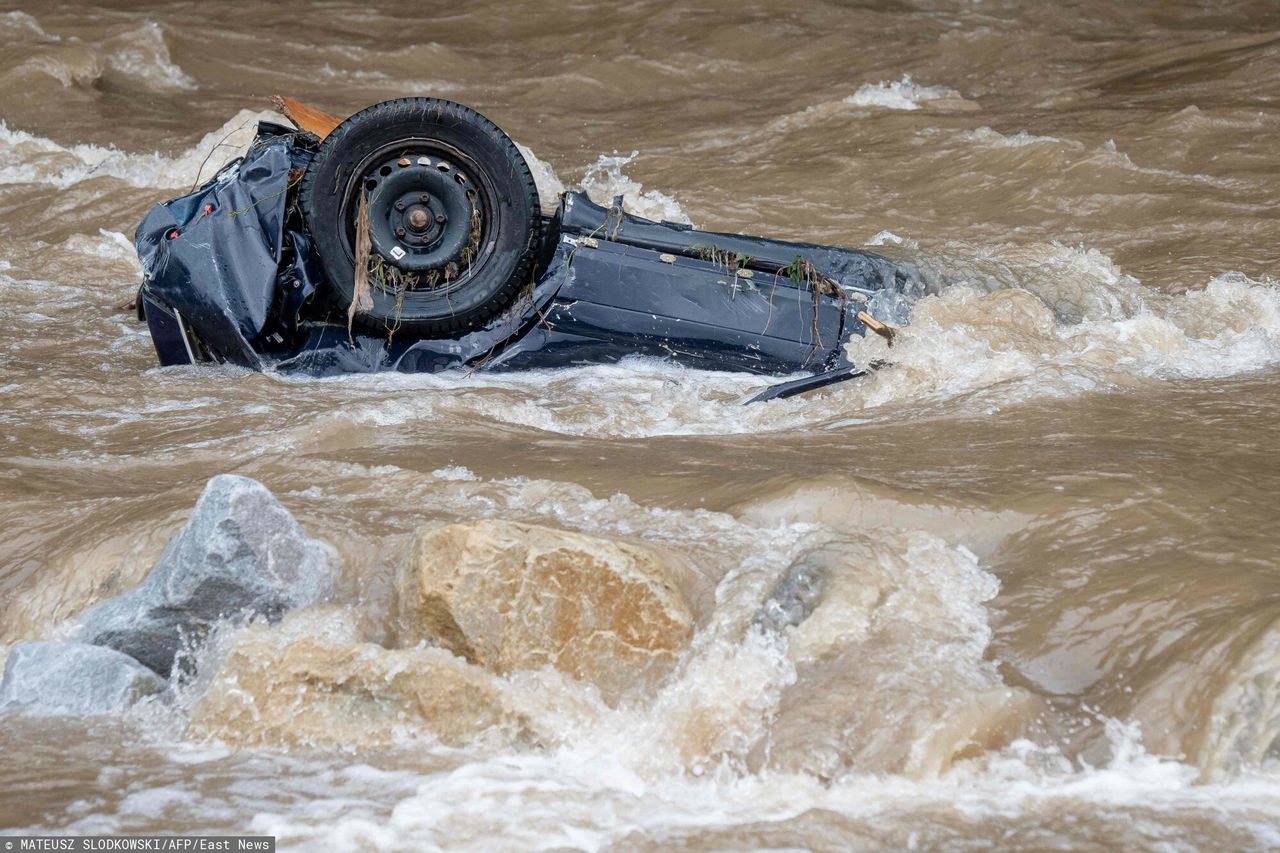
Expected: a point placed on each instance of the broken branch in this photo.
(884, 331)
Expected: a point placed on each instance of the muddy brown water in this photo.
(1067, 482)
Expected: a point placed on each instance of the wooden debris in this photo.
(361, 296)
(886, 332)
(306, 118)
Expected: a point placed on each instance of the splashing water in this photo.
(604, 181)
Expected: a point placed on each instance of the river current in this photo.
(1064, 486)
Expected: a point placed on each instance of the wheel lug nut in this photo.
(399, 232)
(400, 206)
(424, 198)
(440, 218)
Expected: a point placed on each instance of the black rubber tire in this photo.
(511, 240)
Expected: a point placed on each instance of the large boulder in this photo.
(511, 596)
(73, 678)
(312, 681)
(241, 554)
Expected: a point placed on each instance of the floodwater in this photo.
(1064, 488)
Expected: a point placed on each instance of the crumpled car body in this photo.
(231, 274)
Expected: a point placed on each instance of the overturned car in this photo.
(411, 237)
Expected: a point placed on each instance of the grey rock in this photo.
(240, 555)
(798, 592)
(73, 678)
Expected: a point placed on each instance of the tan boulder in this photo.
(310, 681)
(511, 596)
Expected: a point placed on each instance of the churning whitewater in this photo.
(1015, 588)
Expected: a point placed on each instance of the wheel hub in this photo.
(418, 219)
(421, 214)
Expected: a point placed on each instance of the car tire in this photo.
(453, 216)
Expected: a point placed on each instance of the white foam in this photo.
(1021, 139)
(549, 184)
(455, 472)
(1017, 341)
(904, 94)
(564, 801)
(143, 55)
(888, 238)
(604, 180)
(29, 159)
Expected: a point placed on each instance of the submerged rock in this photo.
(73, 678)
(241, 554)
(511, 596)
(310, 681)
(797, 593)
(888, 637)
